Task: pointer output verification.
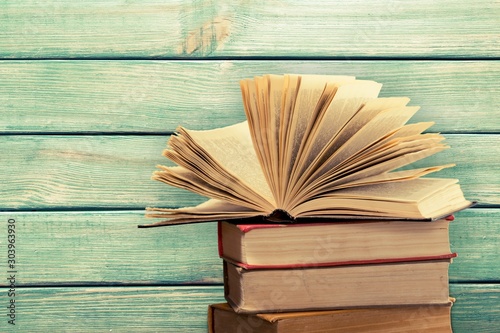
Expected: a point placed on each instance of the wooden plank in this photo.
(157, 96)
(476, 308)
(60, 172)
(183, 309)
(474, 235)
(122, 309)
(72, 172)
(89, 248)
(106, 248)
(62, 29)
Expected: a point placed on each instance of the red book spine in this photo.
(219, 239)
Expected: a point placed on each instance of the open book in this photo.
(313, 146)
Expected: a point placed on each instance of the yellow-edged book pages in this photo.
(312, 147)
(337, 286)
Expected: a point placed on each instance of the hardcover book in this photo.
(312, 147)
(323, 244)
(336, 286)
(401, 319)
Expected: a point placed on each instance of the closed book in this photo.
(254, 245)
(342, 286)
(421, 318)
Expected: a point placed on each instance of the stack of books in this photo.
(325, 208)
(351, 276)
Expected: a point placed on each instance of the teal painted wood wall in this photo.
(91, 90)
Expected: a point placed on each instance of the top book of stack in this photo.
(313, 147)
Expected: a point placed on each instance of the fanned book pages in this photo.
(312, 147)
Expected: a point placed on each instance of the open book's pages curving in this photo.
(312, 147)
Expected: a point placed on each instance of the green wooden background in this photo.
(91, 90)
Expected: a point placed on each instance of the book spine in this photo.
(219, 239)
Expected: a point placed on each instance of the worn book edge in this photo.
(237, 308)
(247, 225)
(279, 218)
(341, 263)
(273, 318)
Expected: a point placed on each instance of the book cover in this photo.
(421, 318)
(326, 244)
(333, 287)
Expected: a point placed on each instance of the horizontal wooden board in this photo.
(475, 237)
(71, 172)
(201, 28)
(123, 309)
(157, 96)
(476, 308)
(183, 309)
(105, 247)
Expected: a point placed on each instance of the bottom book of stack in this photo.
(411, 318)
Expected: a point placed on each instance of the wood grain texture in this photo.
(207, 28)
(135, 70)
(183, 309)
(476, 308)
(474, 235)
(120, 309)
(106, 248)
(72, 172)
(157, 96)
